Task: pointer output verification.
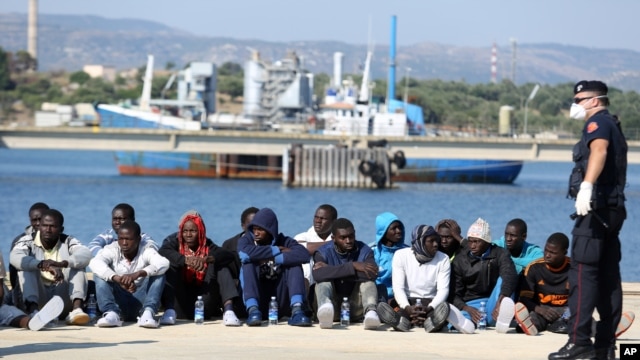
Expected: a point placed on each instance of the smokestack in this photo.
(391, 86)
(337, 69)
(32, 32)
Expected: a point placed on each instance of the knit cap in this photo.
(481, 230)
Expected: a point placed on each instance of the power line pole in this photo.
(513, 60)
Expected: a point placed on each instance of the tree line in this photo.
(445, 104)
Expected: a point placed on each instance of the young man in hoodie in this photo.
(272, 266)
(389, 239)
(345, 268)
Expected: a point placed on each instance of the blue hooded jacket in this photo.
(384, 254)
(249, 251)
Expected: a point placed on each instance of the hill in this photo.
(68, 42)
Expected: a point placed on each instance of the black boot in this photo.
(572, 351)
(607, 353)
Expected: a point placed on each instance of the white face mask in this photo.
(577, 112)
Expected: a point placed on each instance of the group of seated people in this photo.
(437, 282)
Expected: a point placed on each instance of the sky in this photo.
(477, 23)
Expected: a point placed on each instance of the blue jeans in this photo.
(491, 302)
(112, 297)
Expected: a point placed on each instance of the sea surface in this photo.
(85, 186)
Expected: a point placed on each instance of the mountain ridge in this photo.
(71, 41)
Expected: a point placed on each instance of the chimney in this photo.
(32, 32)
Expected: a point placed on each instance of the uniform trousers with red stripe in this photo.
(594, 277)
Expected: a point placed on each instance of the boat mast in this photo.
(145, 99)
(364, 87)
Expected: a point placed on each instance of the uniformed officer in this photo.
(597, 183)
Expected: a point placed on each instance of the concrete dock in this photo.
(186, 340)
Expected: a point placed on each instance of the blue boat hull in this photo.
(269, 167)
(460, 171)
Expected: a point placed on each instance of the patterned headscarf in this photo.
(418, 235)
(202, 251)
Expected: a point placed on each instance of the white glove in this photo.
(583, 200)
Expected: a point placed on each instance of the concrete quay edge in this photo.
(214, 340)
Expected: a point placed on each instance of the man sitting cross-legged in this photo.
(129, 279)
(345, 268)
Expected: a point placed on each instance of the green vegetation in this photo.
(446, 104)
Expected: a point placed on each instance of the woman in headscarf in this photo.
(198, 267)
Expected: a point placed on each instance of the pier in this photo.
(185, 340)
(275, 143)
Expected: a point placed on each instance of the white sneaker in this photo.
(371, 320)
(109, 319)
(77, 317)
(168, 318)
(325, 316)
(507, 311)
(147, 320)
(49, 312)
(230, 319)
(461, 323)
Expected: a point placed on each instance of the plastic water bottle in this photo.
(273, 311)
(198, 316)
(345, 312)
(482, 324)
(418, 305)
(92, 308)
(566, 314)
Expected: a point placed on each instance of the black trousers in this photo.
(594, 277)
(217, 287)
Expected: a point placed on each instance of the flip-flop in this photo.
(51, 310)
(524, 320)
(625, 322)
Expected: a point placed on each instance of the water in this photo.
(86, 186)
